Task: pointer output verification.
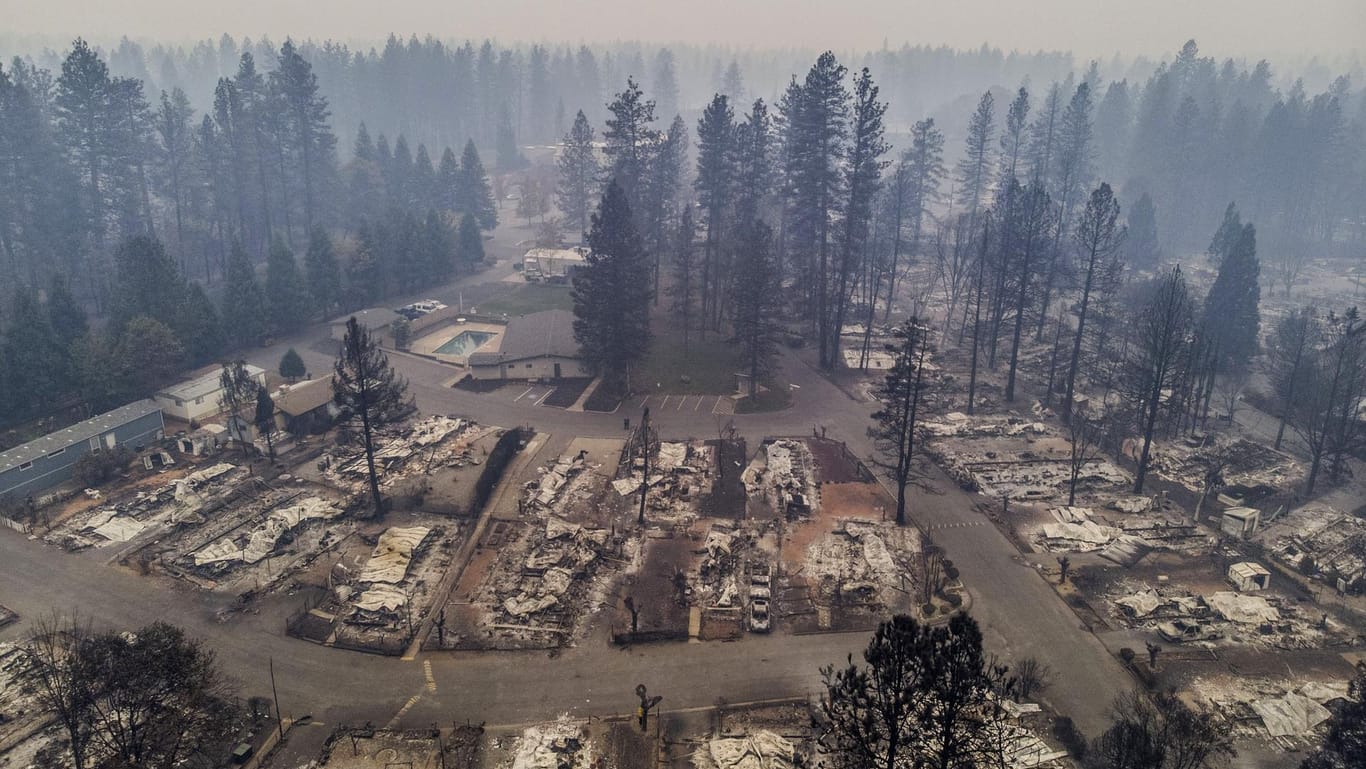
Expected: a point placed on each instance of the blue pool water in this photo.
(464, 343)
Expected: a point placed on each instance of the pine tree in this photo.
(863, 180)
(510, 157)
(146, 282)
(469, 243)
(817, 118)
(683, 288)
(714, 184)
(1227, 236)
(1014, 137)
(660, 195)
(1231, 319)
(447, 180)
(1162, 334)
(174, 130)
(67, 317)
(665, 84)
(473, 194)
(612, 293)
(200, 328)
(579, 173)
(245, 312)
(287, 298)
(629, 140)
(38, 363)
(292, 366)
(757, 301)
(82, 99)
(369, 394)
(901, 396)
(975, 167)
(1141, 250)
(147, 356)
(1098, 239)
(310, 136)
(322, 272)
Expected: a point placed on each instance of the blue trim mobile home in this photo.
(41, 464)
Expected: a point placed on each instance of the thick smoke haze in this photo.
(1085, 27)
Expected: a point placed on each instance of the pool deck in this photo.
(428, 343)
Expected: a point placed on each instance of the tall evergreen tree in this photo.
(370, 395)
(469, 243)
(1098, 238)
(863, 180)
(473, 195)
(901, 396)
(974, 168)
(578, 163)
(38, 363)
(683, 287)
(630, 137)
(309, 133)
(1014, 137)
(200, 328)
(1141, 250)
(817, 118)
(245, 311)
(287, 298)
(64, 313)
(322, 272)
(146, 282)
(757, 302)
(1162, 341)
(612, 292)
(1231, 319)
(714, 183)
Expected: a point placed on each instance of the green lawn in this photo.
(527, 298)
(768, 399)
(709, 365)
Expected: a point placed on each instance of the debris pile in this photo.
(381, 580)
(1123, 539)
(257, 543)
(185, 500)
(1290, 714)
(559, 744)
(862, 563)
(1333, 542)
(760, 750)
(680, 475)
(1245, 465)
(785, 478)
(430, 443)
(1268, 621)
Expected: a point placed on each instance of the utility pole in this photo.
(645, 462)
(646, 704)
(279, 717)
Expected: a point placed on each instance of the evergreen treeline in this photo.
(190, 235)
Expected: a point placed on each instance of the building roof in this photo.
(370, 318)
(77, 433)
(304, 397)
(539, 334)
(204, 384)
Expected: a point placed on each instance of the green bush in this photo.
(97, 467)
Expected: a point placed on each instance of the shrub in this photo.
(97, 467)
(928, 609)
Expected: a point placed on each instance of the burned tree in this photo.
(1293, 339)
(1324, 413)
(1161, 733)
(924, 697)
(1085, 435)
(1162, 337)
(153, 698)
(238, 392)
(1098, 240)
(901, 394)
(370, 395)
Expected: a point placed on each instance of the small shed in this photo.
(376, 320)
(1240, 522)
(1247, 576)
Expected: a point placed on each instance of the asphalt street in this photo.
(1020, 613)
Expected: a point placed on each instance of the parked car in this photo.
(1182, 630)
(758, 615)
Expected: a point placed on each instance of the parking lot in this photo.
(701, 404)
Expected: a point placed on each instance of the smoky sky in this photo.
(1085, 27)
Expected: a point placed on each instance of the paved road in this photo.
(1020, 613)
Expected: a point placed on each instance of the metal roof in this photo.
(549, 333)
(204, 384)
(77, 433)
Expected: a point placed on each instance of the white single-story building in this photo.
(1247, 576)
(376, 320)
(1240, 522)
(199, 397)
(540, 345)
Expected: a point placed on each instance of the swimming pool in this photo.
(464, 343)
